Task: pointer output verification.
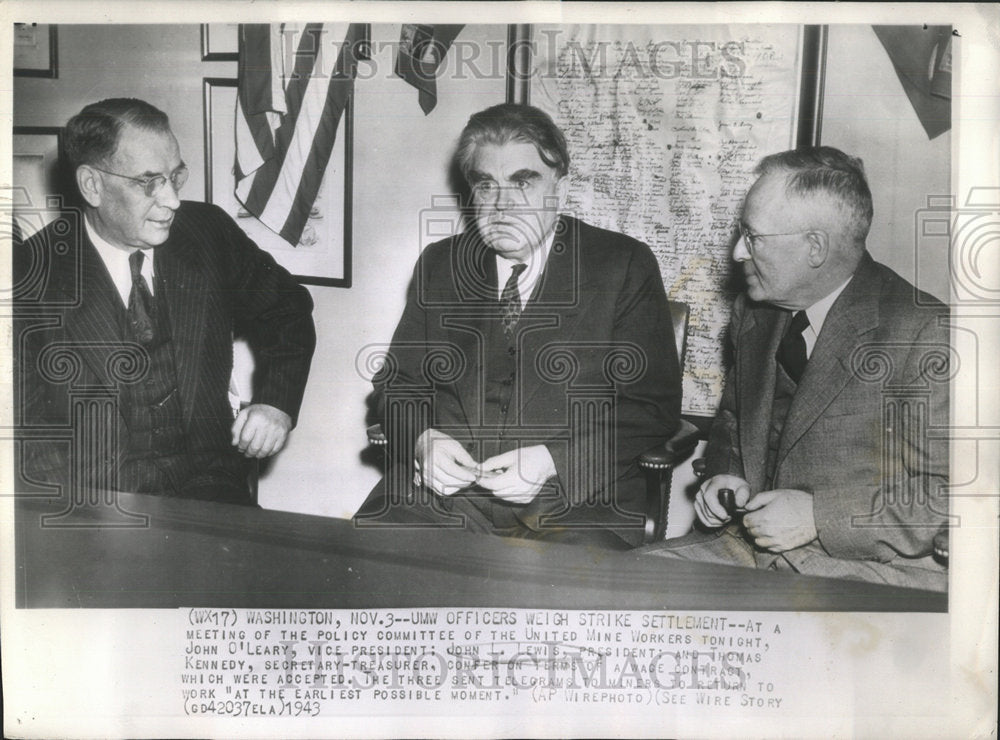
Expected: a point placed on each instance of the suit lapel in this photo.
(185, 290)
(558, 301)
(97, 318)
(563, 285)
(854, 314)
(471, 307)
(761, 334)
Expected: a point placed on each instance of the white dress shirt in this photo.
(528, 279)
(816, 313)
(116, 262)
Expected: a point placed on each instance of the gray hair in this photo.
(508, 122)
(823, 169)
(92, 135)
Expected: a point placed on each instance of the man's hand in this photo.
(442, 463)
(517, 476)
(781, 519)
(707, 504)
(261, 430)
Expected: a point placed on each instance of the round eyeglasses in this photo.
(750, 239)
(151, 186)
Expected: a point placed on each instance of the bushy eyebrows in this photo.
(518, 176)
(525, 174)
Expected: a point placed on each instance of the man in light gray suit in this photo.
(822, 458)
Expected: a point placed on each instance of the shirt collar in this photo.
(529, 278)
(817, 312)
(115, 260)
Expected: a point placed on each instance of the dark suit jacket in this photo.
(598, 320)
(216, 283)
(859, 432)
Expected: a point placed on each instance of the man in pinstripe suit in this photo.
(164, 284)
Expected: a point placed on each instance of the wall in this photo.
(866, 113)
(160, 64)
(401, 161)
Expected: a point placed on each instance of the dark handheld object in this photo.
(728, 498)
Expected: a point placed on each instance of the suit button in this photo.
(512, 350)
(504, 408)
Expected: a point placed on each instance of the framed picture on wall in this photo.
(36, 177)
(36, 50)
(220, 42)
(323, 254)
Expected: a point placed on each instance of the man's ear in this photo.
(819, 247)
(562, 190)
(90, 185)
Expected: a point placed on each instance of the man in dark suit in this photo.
(533, 362)
(140, 295)
(824, 442)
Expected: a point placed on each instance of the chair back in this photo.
(658, 462)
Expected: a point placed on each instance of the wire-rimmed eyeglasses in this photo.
(151, 186)
(749, 238)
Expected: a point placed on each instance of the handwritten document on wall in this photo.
(665, 125)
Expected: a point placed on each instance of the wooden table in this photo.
(195, 553)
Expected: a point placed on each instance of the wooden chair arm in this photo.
(941, 545)
(673, 451)
(699, 465)
(657, 464)
(376, 436)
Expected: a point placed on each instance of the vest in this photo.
(501, 408)
(156, 458)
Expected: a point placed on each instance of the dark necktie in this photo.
(510, 300)
(140, 301)
(792, 350)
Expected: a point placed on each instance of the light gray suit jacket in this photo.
(863, 433)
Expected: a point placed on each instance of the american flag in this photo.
(294, 82)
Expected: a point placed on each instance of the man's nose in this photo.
(509, 197)
(740, 251)
(168, 197)
(504, 199)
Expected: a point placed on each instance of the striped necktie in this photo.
(140, 301)
(510, 300)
